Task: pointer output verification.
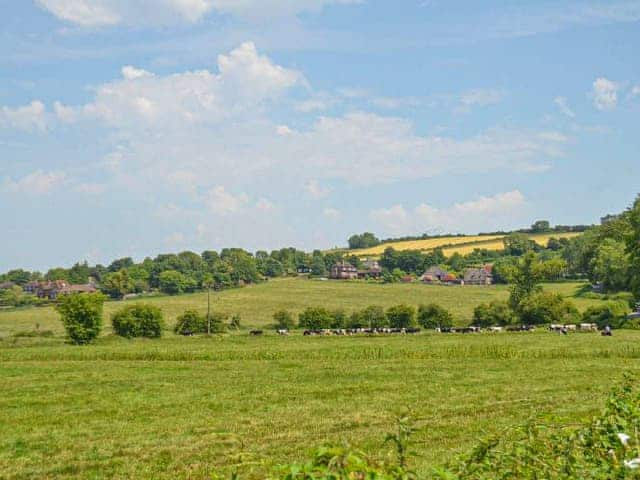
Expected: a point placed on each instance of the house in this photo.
(479, 276)
(49, 290)
(370, 269)
(88, 288)
(344, 271)
(31, 287)
(434, 274)
(7, 285)
(450, 279)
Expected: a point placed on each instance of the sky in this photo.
(137, 127)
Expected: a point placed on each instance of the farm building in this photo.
(434, 274)
(344, 271)
(52, 289)
(479, 276)
(371, 269)
(7, 285)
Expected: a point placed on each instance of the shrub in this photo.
(236, 320)
(545, 307)
(494, 313)
(356, 320)
(374, 317)
(81, 316)
(339, 319)
(401, 316)
(434, 316)
(283, 320)
(192, 323)
(315, 318)
(613, 314)
(139, 320)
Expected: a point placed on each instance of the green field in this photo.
(183, 407)
(256, 304)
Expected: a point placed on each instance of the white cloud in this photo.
(245, 81)
(283, 130)
(106, 13)
(30, 117)
(482, 214)
(224, 203)
(635, 91)
(478, 98)
(91, 188)
(605, 94)
(64, 113)
(316, 190)
(265, 205)
(562, 104)
(332, 213)
(35, 183)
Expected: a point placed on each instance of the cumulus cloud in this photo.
(107, 13)
(140, 99)
(332, 213)
(605, 94)
(482, 214)
(478, 98)
(31, 117)
(635, 91)
(35, 183)
(563, 105)
(316, 190)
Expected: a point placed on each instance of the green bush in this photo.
(613, 314)
(192, 323)
(340, 319)
(494, 313)
(434, 316)
(315, 318)
(545, 307)
(81, 316)
(401, 316)
(236, 321)
(283, 320)
(374, 317)
(140, 320)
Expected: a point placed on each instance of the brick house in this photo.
(479, 276)
(344, 271)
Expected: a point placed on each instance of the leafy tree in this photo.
(611, 265)
(57, 274)
(139, 320)
(541, 226)
(401, 316)
(173, 282)
(373, 316)
(318, 266)
(494, 313)
(118, 284)
(190, 323)
(546, 307)
(525, 279)
(613, 314)
(79, 273)
(19, 277)
(633, 248)
(16, 297)
(120, 263)
(365, 240)
(315, 318)
(81, 316)
(434, 316)
(340, 319)
(518, 244)
(283, 320)
(553, 269)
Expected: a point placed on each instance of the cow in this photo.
(283, 332)
(589, 327)
(256, 333)
(495, 329)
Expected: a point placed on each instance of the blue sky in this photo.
(130, 130)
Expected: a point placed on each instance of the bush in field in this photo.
(374, 317)
(315, 318)
(401, 316)
(340, 319)
(81, 316)
(613, 314)
(494, 313)
(235, 322)
(434, 316)
(192, 323)
(139, 320)
(283, 320)
(356, 320)
(545, 307)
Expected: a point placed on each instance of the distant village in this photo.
(433, 275)
(51, 290)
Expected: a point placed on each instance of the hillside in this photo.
(457, 244)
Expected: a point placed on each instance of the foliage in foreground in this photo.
(608, 447)
(138, 321)
(192, 323)
(81, 316)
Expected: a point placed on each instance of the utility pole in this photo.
(209, 308)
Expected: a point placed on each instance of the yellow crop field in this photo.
(462, 245)
(425, 245)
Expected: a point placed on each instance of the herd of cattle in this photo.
(583, 327)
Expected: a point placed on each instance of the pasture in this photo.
(182, 408)
(256, 304)
(457, 244)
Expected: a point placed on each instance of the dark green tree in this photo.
(81, 316)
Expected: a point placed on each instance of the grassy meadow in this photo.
(181, 408)
(256, 304)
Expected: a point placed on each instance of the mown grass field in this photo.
(455, 244)
(181, 408)
(256, 304)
